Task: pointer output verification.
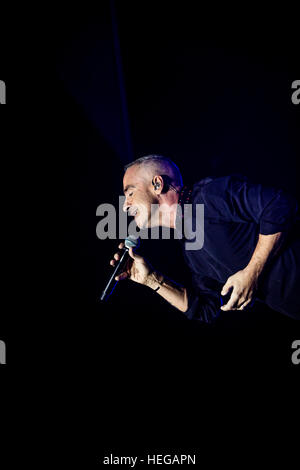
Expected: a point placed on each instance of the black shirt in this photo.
(236, 211)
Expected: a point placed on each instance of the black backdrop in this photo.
(213, 92)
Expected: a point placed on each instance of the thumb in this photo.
(133, 255)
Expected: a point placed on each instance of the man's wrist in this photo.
(154, 280)
(254, 269)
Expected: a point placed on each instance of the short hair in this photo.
(161, 166)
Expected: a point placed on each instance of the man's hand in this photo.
(139, 270)
(136, 268)
(243, 284)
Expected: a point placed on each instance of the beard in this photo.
(148, 214)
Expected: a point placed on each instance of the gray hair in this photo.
(162, 166)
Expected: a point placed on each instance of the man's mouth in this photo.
(133, 212)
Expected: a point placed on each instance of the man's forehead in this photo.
(133, 178)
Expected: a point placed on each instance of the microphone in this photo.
(130, 242)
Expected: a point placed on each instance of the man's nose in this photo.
(126, 206)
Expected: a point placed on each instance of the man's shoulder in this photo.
(216, 184)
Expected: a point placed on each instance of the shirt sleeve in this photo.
(236, 199)
(203, 305)
(204, 299)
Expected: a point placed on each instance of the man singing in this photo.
(249, 250)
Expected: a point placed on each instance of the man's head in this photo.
(150, 180)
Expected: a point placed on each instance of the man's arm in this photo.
(175, 294)
(204, 307)
(274, 211)
(267, 247)
(244, 282)
(140, 271)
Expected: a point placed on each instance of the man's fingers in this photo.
(121, 276)
(226, 288)
(116, 258)
(240, 302)
(244, 304)
(231, 302)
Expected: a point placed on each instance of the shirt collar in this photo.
(184, 198)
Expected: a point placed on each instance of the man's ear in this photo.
(158, 183)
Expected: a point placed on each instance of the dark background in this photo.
(89, 91)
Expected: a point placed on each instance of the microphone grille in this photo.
(132, 241)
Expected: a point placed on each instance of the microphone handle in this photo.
(115, 272)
